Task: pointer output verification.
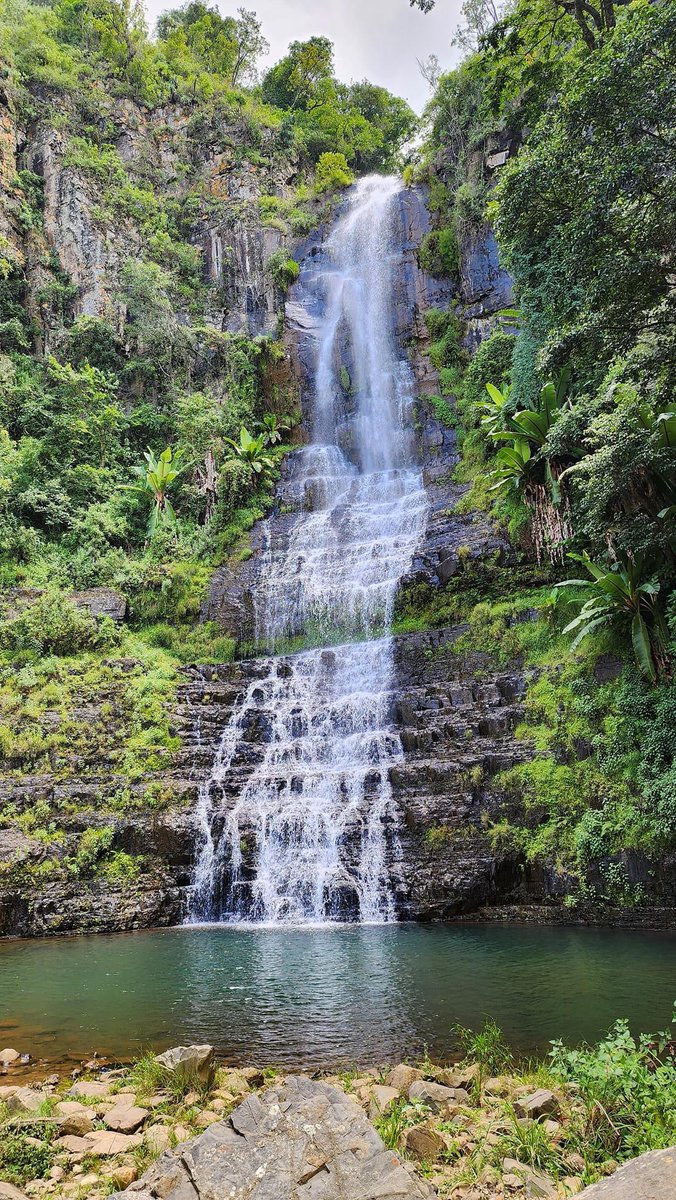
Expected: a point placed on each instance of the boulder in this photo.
(102, 602)
(8, 1056)
(125, 1119)
(123, 1175)
(402, 1076)
(435, 1095)
(651, 1176)
(538, 1104)
(73, 1144)
(300, 1140)
(190, 1064)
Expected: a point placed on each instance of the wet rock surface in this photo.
(301, 1140)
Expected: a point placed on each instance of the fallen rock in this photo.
(382, 1099)
(651, 1176)
(402, 1076)
(435, 1095)
(206, 1118)
(105, 1143)
(538, 1104)
(125, 1120)
(25, 1100)
(298, 1140)
(8, 1056)
(424, 1143)
(190, 1064)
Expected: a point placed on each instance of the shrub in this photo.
(54, 624)
(332, 172)
(438, 253)
(284, 270)
(20, 1161)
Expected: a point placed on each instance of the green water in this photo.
(343, 995)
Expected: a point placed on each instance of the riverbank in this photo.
(488, 1127)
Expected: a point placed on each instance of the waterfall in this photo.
(313, 833)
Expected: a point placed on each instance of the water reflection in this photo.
(328, 996)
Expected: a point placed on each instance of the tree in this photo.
(250, 46)
(304, 78)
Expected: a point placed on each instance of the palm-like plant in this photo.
(273, 429)
(251, 450)
(156, 478)
(622, 592)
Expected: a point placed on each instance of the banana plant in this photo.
(251, 450)
(514, 466)
(495, 410)
(621, 592)
(156, 477)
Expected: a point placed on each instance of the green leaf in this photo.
(641, 642)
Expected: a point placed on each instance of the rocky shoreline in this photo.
(181, 1127)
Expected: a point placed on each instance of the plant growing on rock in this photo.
(621, 592)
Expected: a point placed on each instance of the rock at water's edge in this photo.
(651, 1176)
(300, 1140)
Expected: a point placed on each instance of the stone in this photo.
(25, 1100)
(6, 1091)
(496, 1086)
(651, 1176)
(105, 1142)
(8, 1056)
(77, 1123)
(194, 1064)
(382, 1099)
(235, 1083)
(8, 1192)
(206, 1118)
(424, 1143)
(181, 1133)
(157, 1139)
(538, 1104)
(461, 1077)
(102, 602)
(435, 1095)
(91, 1089)
(402, 1076)
(125, 1119)
(74, 1145)
(538, 1186)
(68, 1108)
(88, 1180)
(123, 1175)
(299, 1140)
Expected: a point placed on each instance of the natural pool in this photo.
(328, 996)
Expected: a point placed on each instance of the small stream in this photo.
(333, 996)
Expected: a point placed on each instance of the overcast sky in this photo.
(378, 40)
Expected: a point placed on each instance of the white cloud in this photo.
(380, 40)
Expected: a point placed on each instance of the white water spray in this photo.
(311, 835)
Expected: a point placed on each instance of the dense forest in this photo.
(565, 413)
(146, 406)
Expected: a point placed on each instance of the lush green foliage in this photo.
(584, 213)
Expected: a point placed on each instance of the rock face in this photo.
(651, 1176)
(302, 1140)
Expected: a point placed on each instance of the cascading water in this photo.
(312, 834)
